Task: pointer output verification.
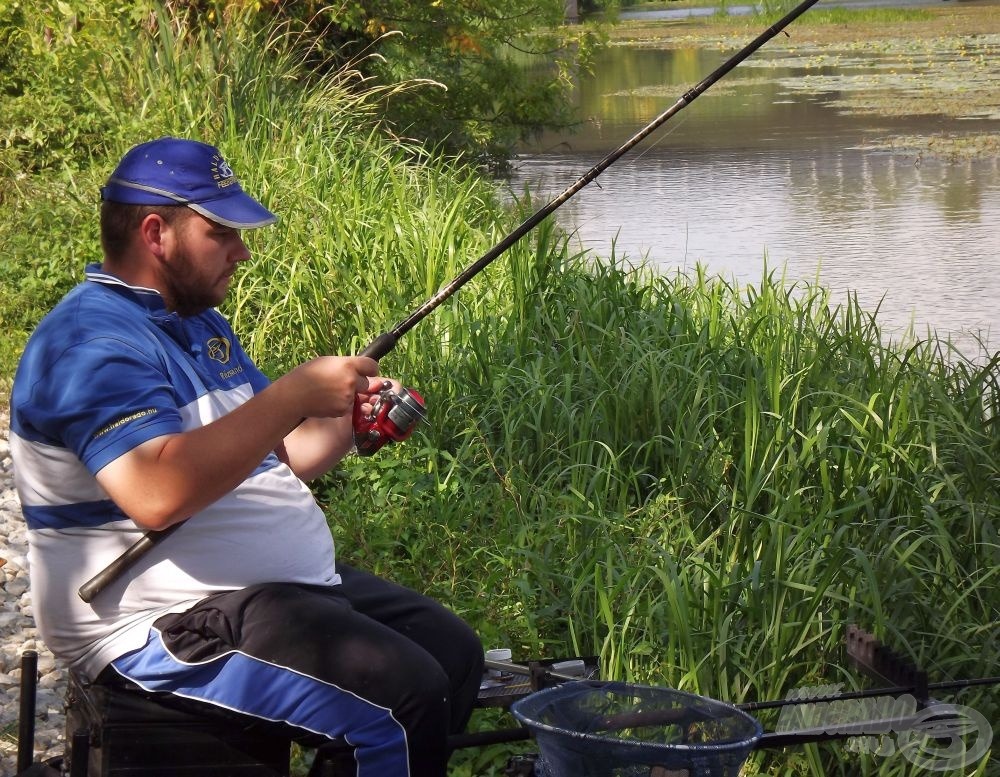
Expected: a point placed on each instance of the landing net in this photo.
(608, 729)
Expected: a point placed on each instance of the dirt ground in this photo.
(943, 62)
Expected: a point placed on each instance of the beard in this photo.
(189, 289)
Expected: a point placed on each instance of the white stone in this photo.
(8, 618)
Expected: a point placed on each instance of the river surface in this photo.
(760, 175)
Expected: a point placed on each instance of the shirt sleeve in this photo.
(104, 397)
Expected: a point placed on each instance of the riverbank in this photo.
(932, 61)
(816, 27)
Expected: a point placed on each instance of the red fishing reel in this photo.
(392, 419)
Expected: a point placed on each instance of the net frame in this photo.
(576, 735)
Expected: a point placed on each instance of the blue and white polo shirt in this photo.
(108, 369)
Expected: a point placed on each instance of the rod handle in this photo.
(126, 560)
(380, 346)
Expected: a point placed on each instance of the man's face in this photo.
(197, 271)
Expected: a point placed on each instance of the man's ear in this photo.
(154, 233)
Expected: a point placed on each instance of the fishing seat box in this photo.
(124, 732)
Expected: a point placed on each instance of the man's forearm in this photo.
(316, 446)
(167, 479)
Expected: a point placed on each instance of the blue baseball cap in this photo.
(174, 171)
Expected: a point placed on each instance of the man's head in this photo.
(171, 217)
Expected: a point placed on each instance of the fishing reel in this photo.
(392, 418)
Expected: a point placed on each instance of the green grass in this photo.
(701, 483)
(864, 16)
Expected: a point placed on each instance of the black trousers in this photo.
(383, 668)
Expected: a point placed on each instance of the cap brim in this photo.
(239, 211)
(235, 208)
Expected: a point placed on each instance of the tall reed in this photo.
(703, 484)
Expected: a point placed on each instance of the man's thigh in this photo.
(452, 643)
(311, 630)
(292, 654)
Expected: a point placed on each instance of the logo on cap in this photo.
(222, 173)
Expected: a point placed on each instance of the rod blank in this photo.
(385, 342)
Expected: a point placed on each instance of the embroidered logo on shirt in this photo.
(218, 349)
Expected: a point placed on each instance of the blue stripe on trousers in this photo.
(239, 682)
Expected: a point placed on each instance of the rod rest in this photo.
(883, 664)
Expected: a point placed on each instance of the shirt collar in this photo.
(150, 299)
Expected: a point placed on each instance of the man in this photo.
(134, 408)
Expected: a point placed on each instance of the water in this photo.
(762, 175)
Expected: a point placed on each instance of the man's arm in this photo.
(167, 479)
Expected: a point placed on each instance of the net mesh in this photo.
(608, 729)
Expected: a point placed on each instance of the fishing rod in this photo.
(386, 342)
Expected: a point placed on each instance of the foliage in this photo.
(485, 99)
(51, 55)
(478, 97)
(492, 73)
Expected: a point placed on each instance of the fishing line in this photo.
(657, 142)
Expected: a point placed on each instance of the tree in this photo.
(486, 74)
(480, 74)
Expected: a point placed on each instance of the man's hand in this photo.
(326, 387)
(375, 387)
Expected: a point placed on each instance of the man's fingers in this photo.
(375, 385)
(365, 365)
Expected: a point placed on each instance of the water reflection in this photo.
(750, 176)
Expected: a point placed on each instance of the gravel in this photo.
(18, 632)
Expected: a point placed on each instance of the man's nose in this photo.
(241, 253)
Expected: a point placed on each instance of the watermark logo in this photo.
(940, 737)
